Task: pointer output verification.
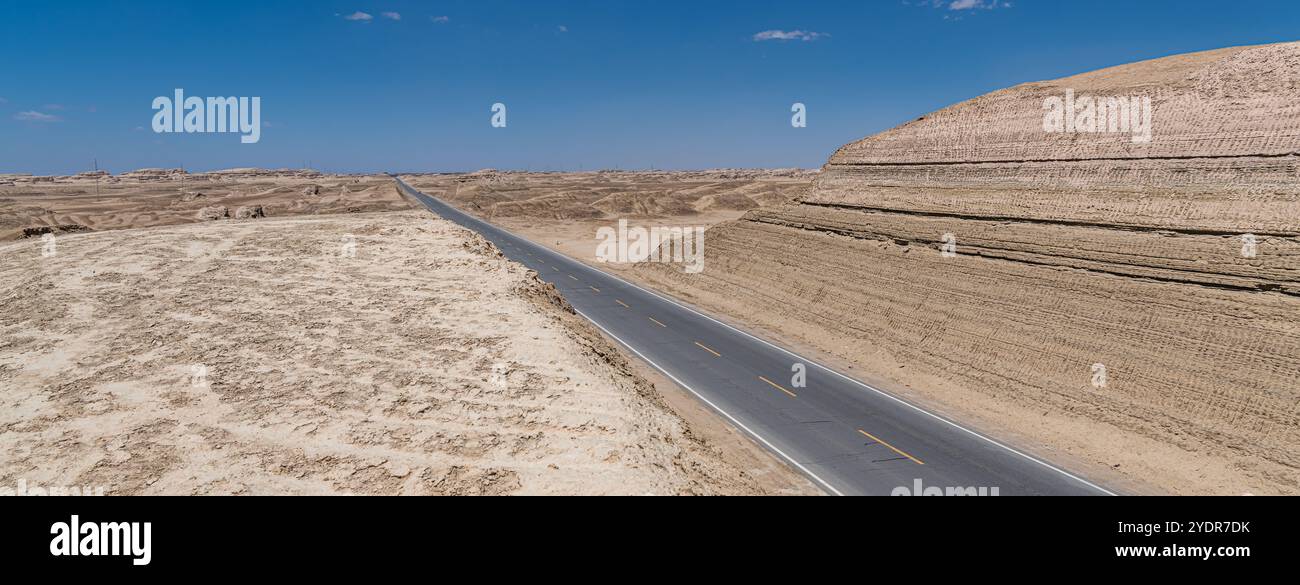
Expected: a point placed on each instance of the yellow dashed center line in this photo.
(622, 303)
(657, 322)
(891, 447)
(708, 349)
(779, 387)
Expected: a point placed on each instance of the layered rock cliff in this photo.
(1170, 264)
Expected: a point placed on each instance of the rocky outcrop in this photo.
(154, 174)
(34, 232)
(250, 212)
(213, 213)
(990, 248)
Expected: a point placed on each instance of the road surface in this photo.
(846, 436)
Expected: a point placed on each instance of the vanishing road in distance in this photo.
(846, 436)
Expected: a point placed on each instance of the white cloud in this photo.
(392, 15)
(959, 5)
(359, 16)
(562, 28)
(958, 9)
(792, 35)
(440, 19)
(34, 116)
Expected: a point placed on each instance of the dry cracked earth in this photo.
(385, 353)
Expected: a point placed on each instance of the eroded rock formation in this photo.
(1173, 264)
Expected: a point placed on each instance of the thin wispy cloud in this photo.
(562, 28)
(440, 19)
(956, 8)
(52, 107)
(34, 116)
(3, 101)
(788, 35)
(359, 16)
(977, 4)
(392, 15)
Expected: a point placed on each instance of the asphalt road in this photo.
(848, 437)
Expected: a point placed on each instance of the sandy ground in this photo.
(273, 357)
(31, 205)
(615, 194)
(564, 211)
(578, 238)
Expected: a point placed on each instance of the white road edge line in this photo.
(859, 383)
(715, 407)
(789, 353)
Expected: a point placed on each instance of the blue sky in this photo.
(587, 84)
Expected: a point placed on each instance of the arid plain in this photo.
(1126, 309)
(160, 339)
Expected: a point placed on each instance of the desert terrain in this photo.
(1084, 296)
(565, 210)
(1100, 308)
(371, 353)
(95, 201)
